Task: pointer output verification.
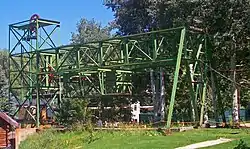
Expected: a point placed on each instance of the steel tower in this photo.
(31, 70)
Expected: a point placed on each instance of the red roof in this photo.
(8, 119)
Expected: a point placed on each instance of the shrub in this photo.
(74, 112)
(242, 145)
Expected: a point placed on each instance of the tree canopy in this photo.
(90, 30)
(3, 80)
(225, 21)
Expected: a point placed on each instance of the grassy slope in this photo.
(130, 140)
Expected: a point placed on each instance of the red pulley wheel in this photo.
(33, 18)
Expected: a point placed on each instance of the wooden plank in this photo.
(3, 145)
(3, 138)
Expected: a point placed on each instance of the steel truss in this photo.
(102, 68)
(30, 67)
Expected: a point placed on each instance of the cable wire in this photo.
(225, 77)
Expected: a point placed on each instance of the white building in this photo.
(135, 111)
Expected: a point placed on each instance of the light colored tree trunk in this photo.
(153, 88)
(192, 79)
(158, 93)
(235, 113)
(162, 96)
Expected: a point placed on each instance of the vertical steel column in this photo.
(204, 80)
(122, 54)
(126, 52)
(47, 69)
(203, 102)
(22, 92)
(154, 82)
(101, 73)
(192, 95)
(60, 82)
(177, 69)
(9, 57)
(123, 74)
(37, 78)
(30, 70)
(155, 48)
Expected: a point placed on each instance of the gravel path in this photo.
(205, 144)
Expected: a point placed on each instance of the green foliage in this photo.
(90, 30)
(130, 139)
(8, 104)
(51, 139)
(4, 104)
(133, 17)
(3, 81)
(74, 112)
(242, 145)
(226, 22)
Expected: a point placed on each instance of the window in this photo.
(135, 108)
(1, 123)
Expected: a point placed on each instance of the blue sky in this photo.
(68, 12)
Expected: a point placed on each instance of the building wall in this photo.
(3, 136)
(22, 134)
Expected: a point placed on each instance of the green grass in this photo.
(131, 140)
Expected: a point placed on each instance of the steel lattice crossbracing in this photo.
(29, 68)
(102, 68)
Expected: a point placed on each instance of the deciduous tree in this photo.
(90, 30)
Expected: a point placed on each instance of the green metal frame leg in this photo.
(203, 103)
(194, 116)
(177, 69)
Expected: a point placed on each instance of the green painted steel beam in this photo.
(37, 78)
(204, 90)
(176, 75)
(192, 95)
(203, 100)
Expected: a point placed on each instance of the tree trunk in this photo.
(162, 97)
(152, 80)
(214, 97)
(235, 113)
(158, 94)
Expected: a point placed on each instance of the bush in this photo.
(242, 145)
(74, 112)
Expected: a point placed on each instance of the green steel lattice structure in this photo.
(43, 71)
